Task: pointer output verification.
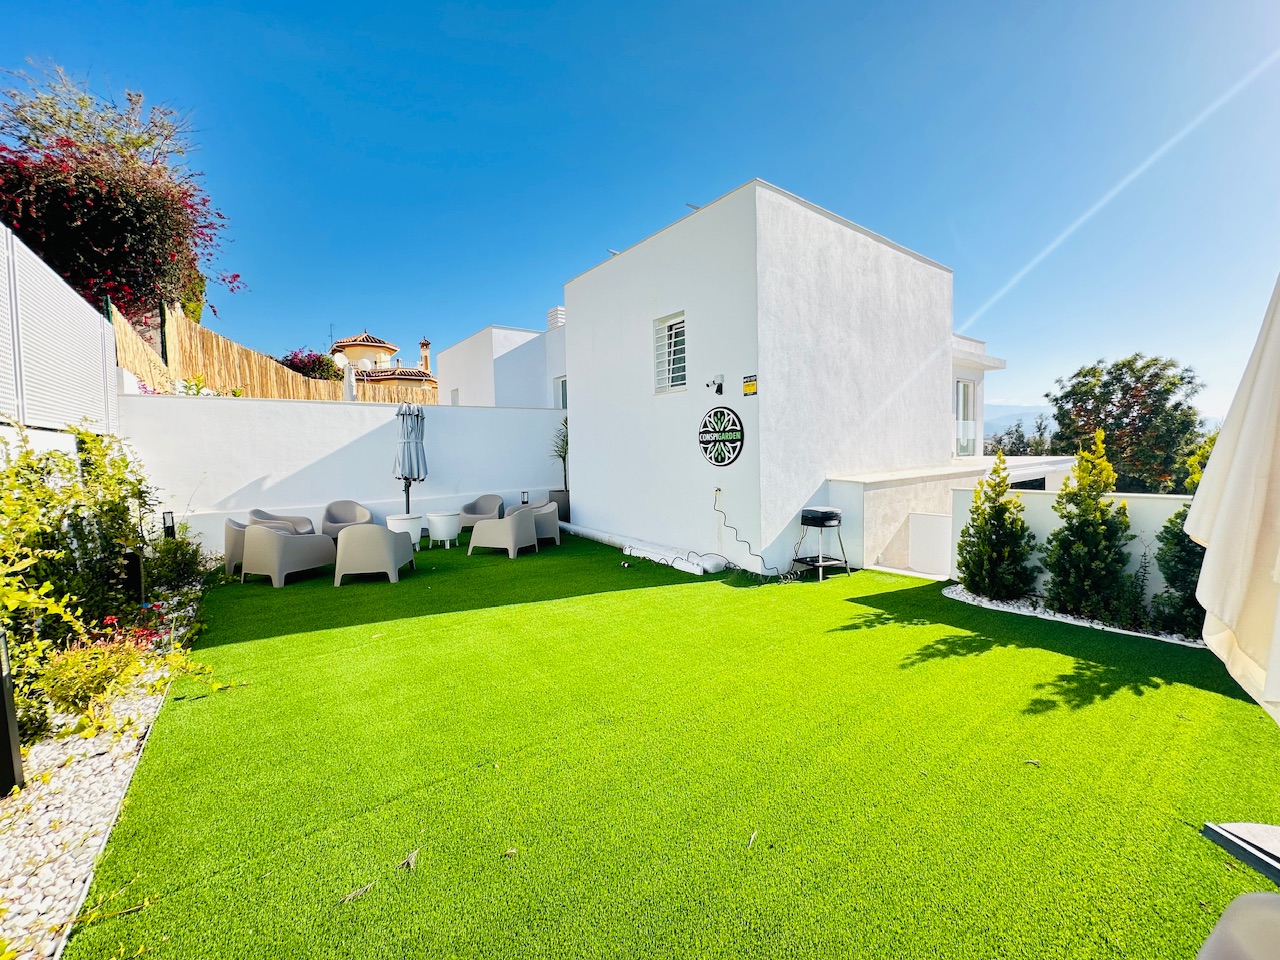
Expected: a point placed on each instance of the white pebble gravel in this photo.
(51, 834)
(1034, 607)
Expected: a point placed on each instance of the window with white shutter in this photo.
(668, 354)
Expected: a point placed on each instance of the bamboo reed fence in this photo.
(133, 354)
(227, 367)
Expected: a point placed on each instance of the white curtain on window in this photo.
(1236, 516)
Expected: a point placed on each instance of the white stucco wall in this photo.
(525, 375)
(855, 359)
(508, 338)
(635, 468)
(215, 457)
(1148, 512)
(39, 440)
(557, 364)
(467, 367)
(520, 376)
(496, 366)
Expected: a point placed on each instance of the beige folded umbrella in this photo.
(1235, 516)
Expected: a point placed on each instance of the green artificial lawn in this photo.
(603, 761)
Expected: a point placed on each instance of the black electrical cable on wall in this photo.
(782, 577)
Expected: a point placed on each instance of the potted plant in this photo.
(560, 451)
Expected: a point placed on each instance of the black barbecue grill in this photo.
(823, 518)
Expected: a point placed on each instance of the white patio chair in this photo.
(488, 507)
(232, 544)
(342, 514)
(299, 524)
(546, 521)
(509, 534)
(275, 553)
(371, 548)
(1249, 929)
(233, 540)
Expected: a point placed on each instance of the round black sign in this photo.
(720, 436)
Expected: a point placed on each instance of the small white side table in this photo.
(443, 526)
(410, 523)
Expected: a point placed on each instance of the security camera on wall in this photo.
(717, 383)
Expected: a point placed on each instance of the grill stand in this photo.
(821, 562)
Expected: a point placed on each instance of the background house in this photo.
(507, 367)
(374, 362)
(832, 348)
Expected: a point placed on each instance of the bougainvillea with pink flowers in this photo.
(317, 366)
(102, 193)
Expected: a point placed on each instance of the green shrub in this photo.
(66, 523)
(77, 678)
(1179, 558)
(1086, 556)
(176, 564)
(996, 547)
(1129, 606)
(96, 502)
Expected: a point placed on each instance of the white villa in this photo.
(830, 347)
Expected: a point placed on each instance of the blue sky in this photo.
(429, 169)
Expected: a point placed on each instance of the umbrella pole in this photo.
(406, 496)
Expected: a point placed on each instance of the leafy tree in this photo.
(1144, 406)
(1179, 559)
(1011, 441)
(102, 193)
(309, 363)
(1085, 557)
(1039, 444)
(1197, 461)
(41, 110)
(996, 546)
(1014, 442)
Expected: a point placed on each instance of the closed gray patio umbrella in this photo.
(411, 456)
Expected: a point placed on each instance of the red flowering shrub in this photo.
(101, 195)
(317, 366)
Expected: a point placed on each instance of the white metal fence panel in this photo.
(111, 377)
(63, 349)
(9, 402)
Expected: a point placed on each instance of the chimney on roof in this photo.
(424, 346)
(555, 318)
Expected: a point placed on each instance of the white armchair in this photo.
(546, 519)
(509, 534)
(371, 548)
(233, 540)
(232, 544)
(488, 507)
(275, 553)
(299, 524)
(341, 514)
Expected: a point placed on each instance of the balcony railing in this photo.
(966, 438)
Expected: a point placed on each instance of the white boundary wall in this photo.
(57, 353)
(216, 457)
(1147, 514)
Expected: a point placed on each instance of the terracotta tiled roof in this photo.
(396, 373)
(365, 339)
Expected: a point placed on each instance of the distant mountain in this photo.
(999, 417)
